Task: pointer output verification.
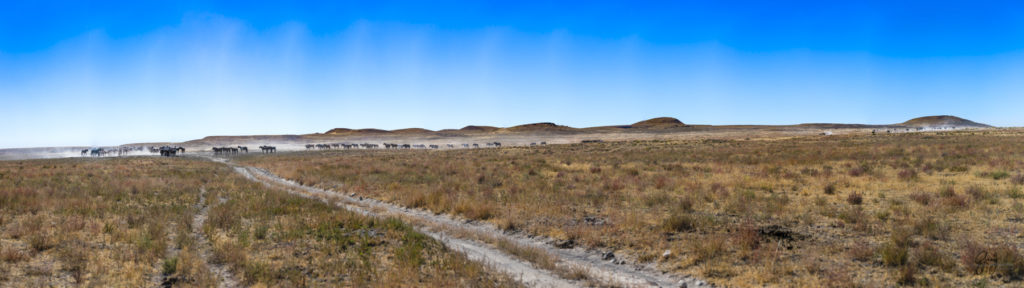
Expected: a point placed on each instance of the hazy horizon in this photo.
(88, 74)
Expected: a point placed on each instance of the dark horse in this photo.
(168, 151)
(225, 150)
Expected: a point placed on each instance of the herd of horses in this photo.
(230, 150)
(125, 150)
(169, 151)
(166, 151)
(328, 146)
(242, 149)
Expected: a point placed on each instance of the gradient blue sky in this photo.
(79, 73)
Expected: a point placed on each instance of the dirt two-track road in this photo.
(463, 236)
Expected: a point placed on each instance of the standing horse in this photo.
(168, 151)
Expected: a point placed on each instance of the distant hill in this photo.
(659, 125)
(339, 131)
(658, 122)
(539, 127)
(655, 127)
(942, 121)
(372, 131)
(412, 131)
(473, 128)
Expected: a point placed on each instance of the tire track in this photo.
(523, 271)
(445, 228)
(204, 248)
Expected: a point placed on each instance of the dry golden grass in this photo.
(97, 223)
(125, 222)
(853, 210)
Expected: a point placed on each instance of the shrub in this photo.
(475, 211)
(686, 204)
(416, 200)
(170, 265)
(858, 171)
(860, 251)
(929, 255)
(947, 191)
(922, 198)
(907, 275)
(883, 215)
(893, 254)
(261, 232)
(576, 273)
(974, 257)
(661, 182)
(830, 188)
(907, 174)
(1002, 260)
(679, 222)
(224, 216)
(1015, 193)
(998, 175)
(852, 215)
(1017, 179)
(708, 248)
(855, 198)
(11, 254)
(977, 193)
(747, 236)
(506, 224)
(228, 253)
(955, 202)
(902, 236)
(410, 253)
(932, 228)
(74, 259)
(40, 242)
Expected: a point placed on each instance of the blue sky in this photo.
(107, 73)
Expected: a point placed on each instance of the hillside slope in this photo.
(942, 121)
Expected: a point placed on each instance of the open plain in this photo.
(669, 205)
(148, 222)
(933, 208)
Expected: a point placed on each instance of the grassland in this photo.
(929, 209)
(128, 222)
